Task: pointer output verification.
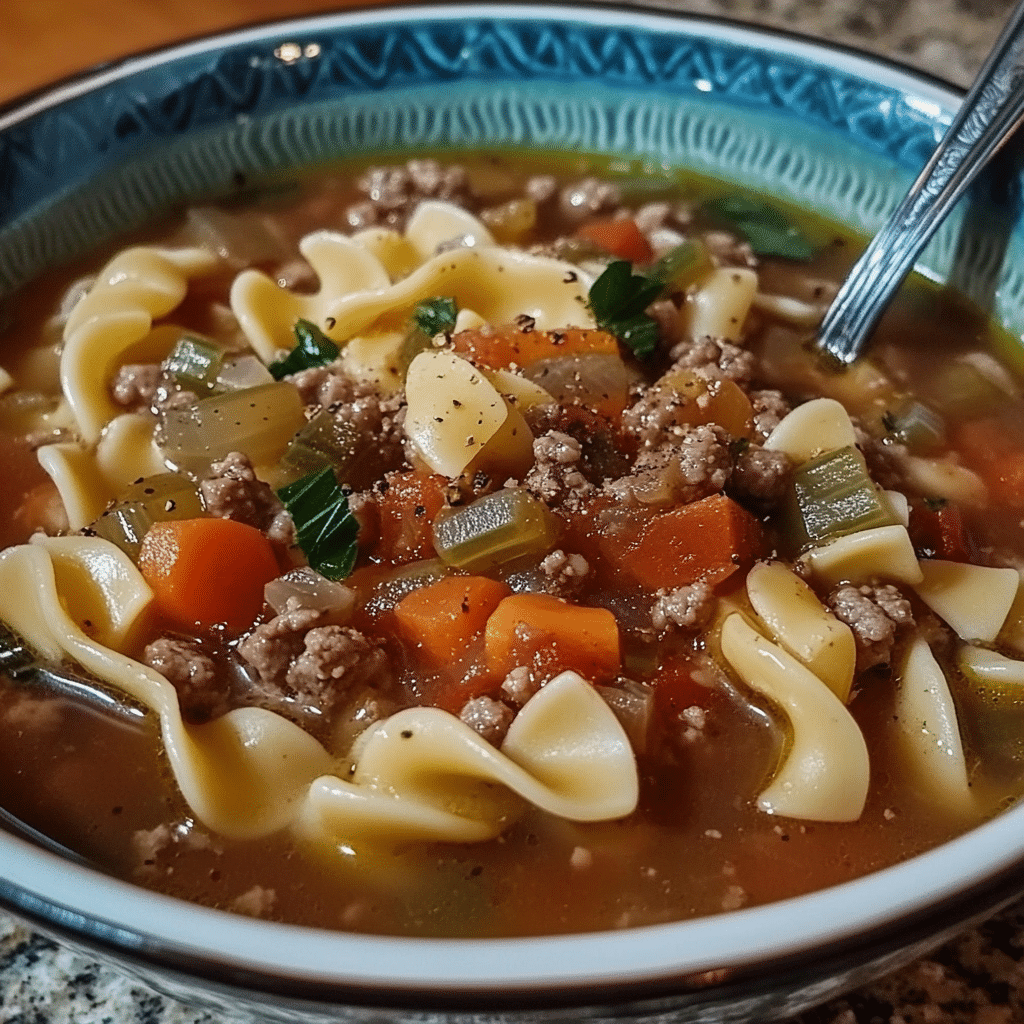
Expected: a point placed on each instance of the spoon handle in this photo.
(991, 111)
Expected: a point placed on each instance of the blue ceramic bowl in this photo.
(832, 131)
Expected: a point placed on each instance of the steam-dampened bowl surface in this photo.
(834, 132)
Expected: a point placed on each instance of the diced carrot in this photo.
(510, 345)
(407, 509)
(440, 620)
(940, 533)
(208, 571)
(707, 540)
(528, 627)
(619, 237)
(997, 455)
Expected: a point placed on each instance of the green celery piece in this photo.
(834, 496)
(682, 265)
(153, 499)
(325, 527)
(494, 530)
(312, 348)
(323, 441)
(917, 426)
(194, 363)
(768, 231)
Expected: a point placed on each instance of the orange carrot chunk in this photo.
(528, 627)
(507, 346)
(441, 619)
(207, 571)
(619, 237)
(707, 540)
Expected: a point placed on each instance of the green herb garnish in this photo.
(435, 316)
(618, 299)
(312, 348)
(325, 527)
(768, 231)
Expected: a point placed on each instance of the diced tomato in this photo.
(619, 237)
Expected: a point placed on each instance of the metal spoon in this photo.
(991, 111)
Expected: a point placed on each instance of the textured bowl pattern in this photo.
(157, 133)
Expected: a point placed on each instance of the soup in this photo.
(479, 550)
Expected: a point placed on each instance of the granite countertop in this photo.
(977, 978)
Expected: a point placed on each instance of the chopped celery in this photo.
(991, 708)
(193, 364)
(832, 496)
(683, 265)
(154, 499)
(258, 422)
(917, 426)
(494, 530)
(323, 441)
(962, 390)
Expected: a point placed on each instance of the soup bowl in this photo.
(835, 133)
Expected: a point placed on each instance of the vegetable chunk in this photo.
(208, 571)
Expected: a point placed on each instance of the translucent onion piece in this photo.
(824, 773)
(306, 588)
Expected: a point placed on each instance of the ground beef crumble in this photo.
(556, 477)
(307, 668)
(760, 474)
(232, 490)
(714, 357)
(689, 607)
(488, 717)
(699, 464)
(202, 693)
(874, 613)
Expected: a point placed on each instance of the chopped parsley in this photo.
(312, 348)
(618, 299)
(325, 527)
(435, 316)
(768, 231)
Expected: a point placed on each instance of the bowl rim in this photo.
(882, 910)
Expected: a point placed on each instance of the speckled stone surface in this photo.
(977, 978)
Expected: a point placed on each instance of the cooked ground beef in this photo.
(135, 385)
(727, 249)
(393, 192)
(874, 614)
(714, 357)
(555, 476)
(202, 694)
(565, 573)
(519, 685)
(688, 607)
(760, 474)
(305, 668)
(770, 408)
(326, 385)
(605, 452)
(489, 717)
(699, 463)
(587, 197)
(233, 491)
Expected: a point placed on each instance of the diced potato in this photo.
(718, 307)
(453, 411)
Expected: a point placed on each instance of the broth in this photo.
(706, 745)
